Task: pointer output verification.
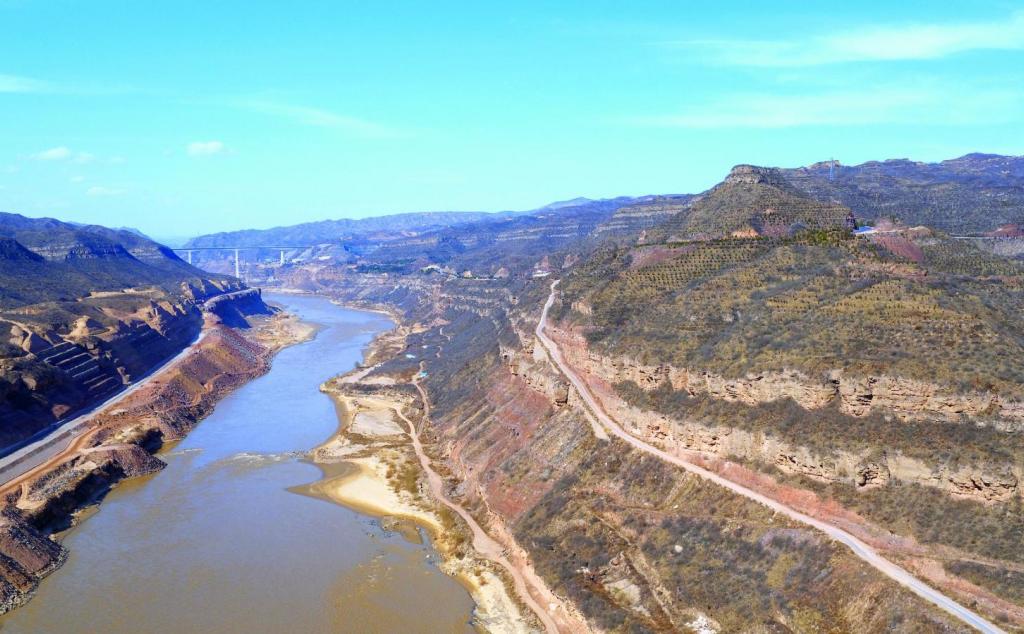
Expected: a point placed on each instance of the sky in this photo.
(189, 117)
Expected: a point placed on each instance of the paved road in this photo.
(20, 462)
(858, 547)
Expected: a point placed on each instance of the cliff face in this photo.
(905, 400)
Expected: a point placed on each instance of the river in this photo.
(216, 542)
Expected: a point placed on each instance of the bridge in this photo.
(273, 247)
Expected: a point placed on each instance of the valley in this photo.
(660, 413)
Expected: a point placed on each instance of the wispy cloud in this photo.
(322, 118)
(866, 44)
(64, 153)
(61, 153)
(907, 105)
(16, 84)
(98, 191)
(205, 148)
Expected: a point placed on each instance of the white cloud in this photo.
(865, 44)
(324, 119)
(64, 153)
(60, 153)
(77, 179)
(16, 84)
(103, 191)
(906, 105)
(205, 148)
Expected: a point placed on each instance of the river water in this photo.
(216, 542)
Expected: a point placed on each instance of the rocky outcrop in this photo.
(26, 556)
(233, 308)
(906, 399)
(754, 175)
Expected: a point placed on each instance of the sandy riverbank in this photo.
(370, 467)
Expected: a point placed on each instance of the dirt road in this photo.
(858, 547)
(528, 586)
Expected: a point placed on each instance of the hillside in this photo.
(84, 310)
(872, 381)
(334, 231)
(975, 193)
(47, 260)
(751, 202)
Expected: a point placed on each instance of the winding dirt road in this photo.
(858, 547)
(527, 584)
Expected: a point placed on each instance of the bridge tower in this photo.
(238, 273)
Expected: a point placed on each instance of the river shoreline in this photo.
(370, 467)
(122, 443)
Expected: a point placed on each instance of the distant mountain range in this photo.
(43, 259)
(324, 231)
(975, 193)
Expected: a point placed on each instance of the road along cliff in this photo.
(858, 547)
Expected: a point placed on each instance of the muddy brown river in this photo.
(216, 542)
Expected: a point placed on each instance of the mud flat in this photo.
(217, 540)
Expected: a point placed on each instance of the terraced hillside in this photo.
(83, 310)
(751, 201)
(884, 373)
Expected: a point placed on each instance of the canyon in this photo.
(737, 407)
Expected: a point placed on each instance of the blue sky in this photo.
(191, 117)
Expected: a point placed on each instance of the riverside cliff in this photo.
(615, 536)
